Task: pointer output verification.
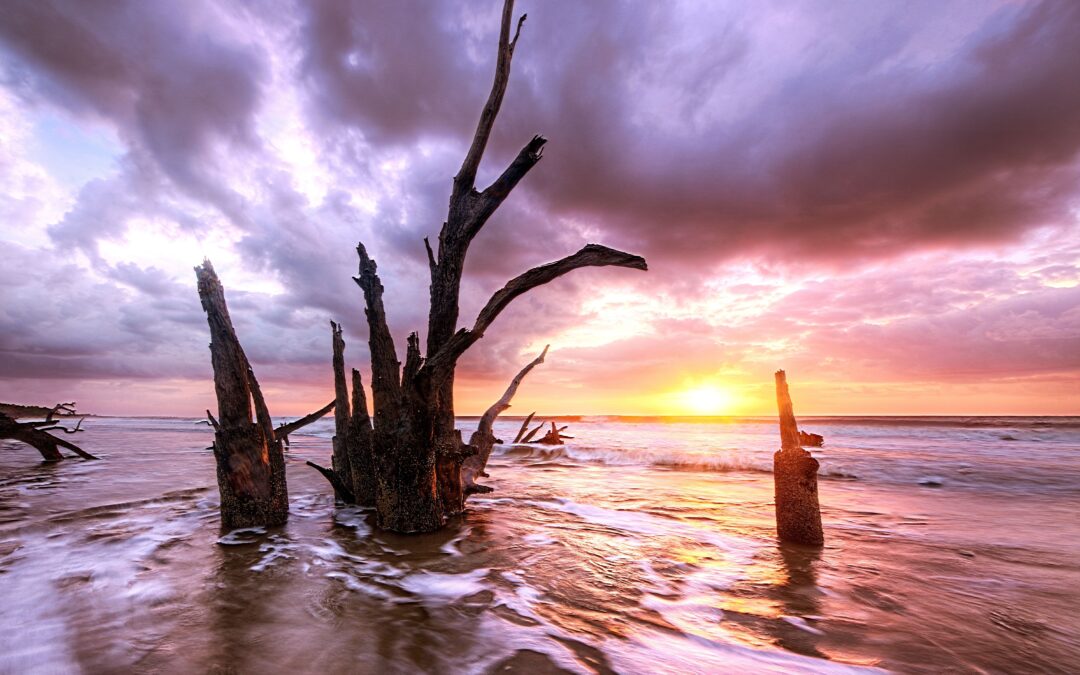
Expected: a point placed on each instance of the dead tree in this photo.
(418, 454)
(483, 439)
(249, 454)
(36, 434)
(798, 515)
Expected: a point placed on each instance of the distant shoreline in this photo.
(989, 421)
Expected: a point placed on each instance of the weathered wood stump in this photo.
(798, 514)
(250, 457)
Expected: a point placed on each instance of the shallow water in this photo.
(645, 546)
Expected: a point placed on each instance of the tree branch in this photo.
(487, 421)
(285, 429)
(385, 368)
(432, 265)
(61, 409)
(466, 178)
(524, 427)
(342, 491)
(47, 444)
(60, 427)
(496, 193)
(592, 255)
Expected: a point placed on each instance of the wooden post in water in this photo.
(798, 515)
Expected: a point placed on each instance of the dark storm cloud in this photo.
(862, 156)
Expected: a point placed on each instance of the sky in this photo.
(881, 198)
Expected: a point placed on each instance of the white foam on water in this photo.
(523, 600)
(451, 547)
(442, 588)
(691, 654)
(242, 536)
(739, 549)
(539, 539)
(105, 559)
(276, 548)
(356, 518)
(800, 623)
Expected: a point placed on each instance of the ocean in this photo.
(645, 545)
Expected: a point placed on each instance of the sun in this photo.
(706, 399)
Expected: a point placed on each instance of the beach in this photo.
(644, 545)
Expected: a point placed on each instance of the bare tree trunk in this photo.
(483, 439)
(360, 448)
(798, 515)
(340, 463)
(249, 455)
(352, 474)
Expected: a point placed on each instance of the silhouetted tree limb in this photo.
(282, 432)
(592, 255)
(524, 427)
(35, 434)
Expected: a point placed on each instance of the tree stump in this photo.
(250, 457)
(798, 514)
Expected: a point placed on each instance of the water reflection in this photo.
(800, 598)
(240, 605)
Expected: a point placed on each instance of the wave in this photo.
(722, 461)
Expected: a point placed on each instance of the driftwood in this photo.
(249, 454)
(798, 515)
(483, 439)
(529, 436)
(35, 434)
(524, 426)
(552, 437)
(811, 440)
(418, 455)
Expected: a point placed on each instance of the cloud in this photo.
(861, 190)
(177, 88)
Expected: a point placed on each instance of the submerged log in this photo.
(798, 514)
(35, 434)
(483, 439)
(249, 454)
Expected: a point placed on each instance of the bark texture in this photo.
(352, 473)
(249, 454)
(418, 456)
(798, 514)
